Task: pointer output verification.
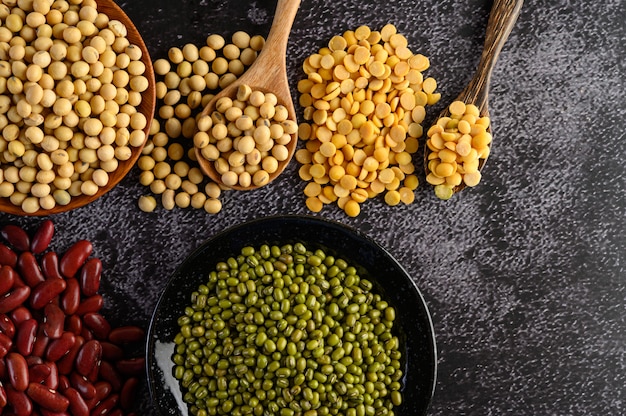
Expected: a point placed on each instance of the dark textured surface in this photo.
(524, 275)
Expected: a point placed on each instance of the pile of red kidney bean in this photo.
(58, 354)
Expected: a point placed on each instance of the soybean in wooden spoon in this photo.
(267, 74)
(444, 136)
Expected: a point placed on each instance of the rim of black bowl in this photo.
(414, 321)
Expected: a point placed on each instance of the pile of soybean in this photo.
(284, 330)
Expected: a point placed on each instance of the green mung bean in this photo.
(285, 330)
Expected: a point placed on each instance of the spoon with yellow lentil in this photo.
(247, 134)
(459, 142)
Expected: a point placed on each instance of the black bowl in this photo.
(413, 323)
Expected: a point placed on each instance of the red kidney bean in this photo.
(37, 373)
(87, 334)
(7, 278)
(116, 412)
(8, 257)
(126, 334)
(7, 326)
(52, 381)
(127, 395)
(25, 336)
(5, 345)
(86, 389)
(45, 412)
(42, 237)
(54, 321)
(50, 265)
(97, 324)
(41, 343)
(20, 314)
(16, 236)
(91, 304)
(64, 383)
(74, 324)
(14, 298)
(60, 347)
(111, 352)
(109, 373)
(3, 370)
(70, 298)
(75, 257)
(47, 398)
(19, 402)
(66, 364)
(17, 370)
(3, 397)
(131, 366)
(29, 269)
(33, 360)
(78, 406)
(106, 405)
(103, 390)
(88, 357)
(45, 291)
(90, 275)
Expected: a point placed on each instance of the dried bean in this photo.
(111, 352)
(82, 385)
(48, 398)
(14, 299)
(5, 345)
(91, 304)
(7, 327)
(60, 347)
(7, 278)
(127, 395)
(126, 334)
(25, 336)
(38, 372)
(75, 257)
(29, 269)
(42, 237)
(17, 370)
(41, 343)
(78, 406)
(20, 314)
(106, 405)
(8, 257)
(88, 357)
(54, 320)
(20, 403)
(45, 291)
(109, 373)
(98, 325)
(50, 265)
(66, 364)
(16, 236)
(90, 275)
(70, 298)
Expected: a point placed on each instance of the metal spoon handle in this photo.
(502, 18)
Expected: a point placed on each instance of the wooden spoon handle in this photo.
(267, 67)
(502, 18)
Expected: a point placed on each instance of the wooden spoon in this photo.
(502, 18)
(147, 107)
(268, 73)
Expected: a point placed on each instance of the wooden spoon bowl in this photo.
(147, 107)
(267, 74)
(502, 18)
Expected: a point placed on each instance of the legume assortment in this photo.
(58, 353)
(364, 99)
(71, 84)
(284, 330)
(186, 81)
(457, 143)
(246, 138)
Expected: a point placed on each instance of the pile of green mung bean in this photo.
(283, 330)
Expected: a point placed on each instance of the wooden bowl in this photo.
(147, 108)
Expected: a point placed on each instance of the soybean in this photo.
(187, 79)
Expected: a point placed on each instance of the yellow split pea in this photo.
(364, 99)
(457, 144)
